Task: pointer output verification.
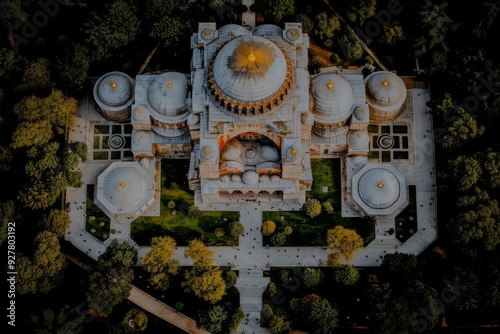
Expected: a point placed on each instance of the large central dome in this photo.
(250, 72)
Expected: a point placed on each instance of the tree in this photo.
(307, 23)
(279, 325)
(278, 239)
(57, 221)
(402, 266)
(323, 317)
(236, 229)
(136, 318)
(268, 227)
(288, 230)
(344, 239)
(392, 34)
(345, 274)
(271, 288)
(36, 75)
(109, 281)
(73, 66)
(466, 171)
(167, 31)
(360, 10)
(230, 278)
(312, 207)
(210, 286)
(276, 10)
(326, 27)
(7, 215)
(61, 322)
(213, 320)
(202, 257)
(312, 277)
(159, 263)
(117, 27)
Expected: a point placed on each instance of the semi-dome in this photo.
(124, 187)
(332, 97)
(250, 72)
(360, 113)
(269, 153)
(167, 94)
(358, 140)
(385, 94)
(267, 30)
(114, 91)
(232, 150)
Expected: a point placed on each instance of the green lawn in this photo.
(312, 231)
(175, 222)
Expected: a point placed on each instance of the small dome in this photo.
(306, 119)
(114, 91)
(275, 178)
(207, 153)
(358, 140)
(264, 178)
(360, 113)
(236, 178)
(385, 93)
(378, 188)
(225, 178)
(140, 114)
(232, 150)
(250, 177)
(167, 94)
(142, 141)
(293, 153)
(249, 71)
(194, 119)
(333, 97)
(269, 153)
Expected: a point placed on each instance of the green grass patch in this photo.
(406, 220)
(326, 176)
(97, 222)
(176, 222)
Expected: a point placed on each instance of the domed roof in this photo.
(292, 154)
(207, 153)
(114, 91)
(167, 93)
(249, 71)
(385, 90)
(360, 113)
(358, 140)
(269, 153)
(124, 187)
(193, 119)
(142, 140)
(250, 177)
(378, 188)
(232, 149)
(233, 30)
(267, 30)
(333, 97)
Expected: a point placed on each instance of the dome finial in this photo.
(114, 84)
(385, 82)
(380, 184)
(123, 184)
(169, 84)
(359, 134)
(251, 56)
(330, 84)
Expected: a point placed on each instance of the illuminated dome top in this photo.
(167, 94)
(124, 187)
(333, 97)
(378, 188)
(385, 90)
(114, 91)
(249, 71)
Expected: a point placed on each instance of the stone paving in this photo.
(251, 258)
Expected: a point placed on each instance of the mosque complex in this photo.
(247, 121)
